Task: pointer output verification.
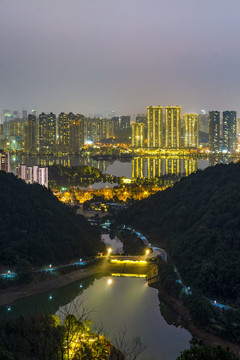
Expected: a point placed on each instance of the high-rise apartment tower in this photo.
(155, 126)
(190, 131)
(173, 126)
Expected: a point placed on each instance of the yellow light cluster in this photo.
(130, 275)
(128, 261)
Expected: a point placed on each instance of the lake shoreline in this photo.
(10, 294)
(207, 338)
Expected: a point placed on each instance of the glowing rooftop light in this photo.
(50, 297)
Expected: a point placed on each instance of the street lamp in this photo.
(147, 251)
(109, 251)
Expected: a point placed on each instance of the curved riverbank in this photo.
(8, 295)
(207, 338)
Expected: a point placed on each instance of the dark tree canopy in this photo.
(36, 227)
(206, 353)
(198, 222)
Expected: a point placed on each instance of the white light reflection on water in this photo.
(129, 304)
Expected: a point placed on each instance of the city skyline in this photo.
(122, 56)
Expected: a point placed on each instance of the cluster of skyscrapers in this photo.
(65, 132)
(160, 128)
(173, 131)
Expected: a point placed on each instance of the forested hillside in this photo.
(198, 222)
(36, 227)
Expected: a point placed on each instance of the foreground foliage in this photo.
(83, 175)
(43, 337)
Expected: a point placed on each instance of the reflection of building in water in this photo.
(221, 159)
(190, 166)
(138, 167)
(190, 131)
(173, 166)
(66, 160)
(154, 167)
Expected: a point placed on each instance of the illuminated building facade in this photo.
(16, 132)
(141, 118)
(7, 115)
(63, 131)
(214, 130)
(173, 126)
(33, 174)
(105, 129)
(76, 133)
(190, 130)
(16, 127)
(138, 135)
(229, 131)
(124, 122)
(31, 134)
(97, 129)
(5, 161)
(155, 126)
(204, 122)
(47, 131)
(116, 121)
(91, 130)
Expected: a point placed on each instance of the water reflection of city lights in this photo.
(109, 281)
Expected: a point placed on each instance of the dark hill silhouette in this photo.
(35, 226)
(198, 221)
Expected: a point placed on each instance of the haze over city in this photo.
(102, 56)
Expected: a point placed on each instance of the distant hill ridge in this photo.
(35, 226)
(198, 221)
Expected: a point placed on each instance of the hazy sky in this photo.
(91, 56)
